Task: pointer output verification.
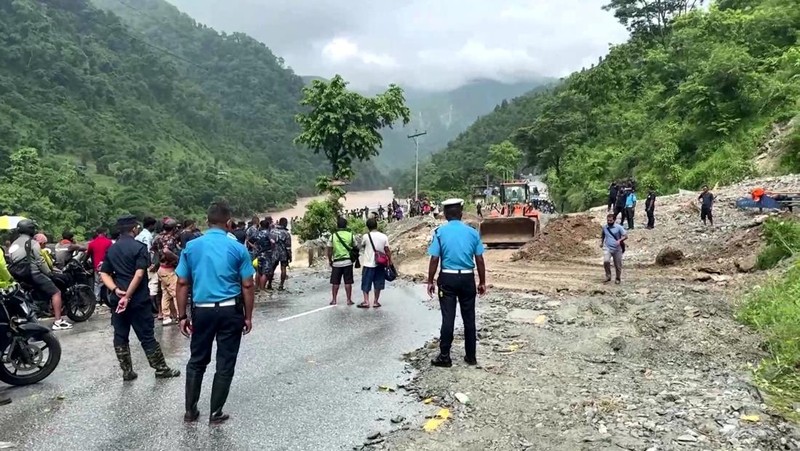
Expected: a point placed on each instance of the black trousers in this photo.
(630, 213)
(619, 211)
(705, 213)
(457, 289)
(139, 316)
(651, 219)
(223, 324)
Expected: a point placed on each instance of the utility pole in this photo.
(416, 170)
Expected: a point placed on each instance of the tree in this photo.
(344, 125)
(648, 16)
(504, 159)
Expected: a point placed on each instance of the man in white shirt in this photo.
(375, 258)
(146, 237)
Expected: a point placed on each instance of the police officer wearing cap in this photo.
(219, 271)
(457, 248)
(124, 273)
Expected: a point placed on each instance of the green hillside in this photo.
(681, 104)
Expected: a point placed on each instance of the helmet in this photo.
(27, 227)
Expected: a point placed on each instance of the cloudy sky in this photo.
(428, 44)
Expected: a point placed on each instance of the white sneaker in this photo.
(167, 322)
(62, 325)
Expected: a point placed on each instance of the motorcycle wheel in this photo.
(10, 369)
(81, 303)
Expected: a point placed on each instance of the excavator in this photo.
(514, 221)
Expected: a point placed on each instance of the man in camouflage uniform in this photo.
(283, 251)
(264, 246)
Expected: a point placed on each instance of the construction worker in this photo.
(458, 249)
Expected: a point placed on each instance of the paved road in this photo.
(298, 385)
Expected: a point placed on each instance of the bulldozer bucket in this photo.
(508, 232)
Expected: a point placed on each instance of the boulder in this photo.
(669, 256)
(747, 264)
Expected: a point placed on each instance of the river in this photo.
(353, 200)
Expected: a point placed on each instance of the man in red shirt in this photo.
(97, 252)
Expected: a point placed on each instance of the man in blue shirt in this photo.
(630, 207)
(613, 240)
(220, 273)
(458, 248)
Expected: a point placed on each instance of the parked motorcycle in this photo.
(75, 283)
(29, 352)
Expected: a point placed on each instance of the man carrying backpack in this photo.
(613, 240)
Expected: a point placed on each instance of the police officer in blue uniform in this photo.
(457, 248)
(219, 271)
(124, 273)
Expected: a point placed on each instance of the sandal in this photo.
(333, 302)
(376, 304)
(363, 305)
(349, 302)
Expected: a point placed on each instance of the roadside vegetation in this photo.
(774, 311)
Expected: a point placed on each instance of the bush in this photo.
(783, 240)
(774, 311)
(320, 219)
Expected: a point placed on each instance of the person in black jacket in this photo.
(619, 204)
(612, 195)
(649, 208)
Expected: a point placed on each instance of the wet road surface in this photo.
(298, 385)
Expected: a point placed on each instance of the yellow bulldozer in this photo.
(513, 222)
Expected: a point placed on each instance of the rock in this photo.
(617, 344)
(398, 419)
(728, 429)
(523, 316)
(747, 264)
(373, 436)
(602, 429)
(462, 398)
(687, 438)
(702, 277)
(721, 278)
(669, 256)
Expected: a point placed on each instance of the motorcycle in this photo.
(29, 352)
(77, 295)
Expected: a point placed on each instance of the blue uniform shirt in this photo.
(216, 265)
(630, 201)
(457, 244)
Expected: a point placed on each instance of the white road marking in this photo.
(306, 313)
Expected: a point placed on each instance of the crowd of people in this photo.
(392, 212)
(622, 202)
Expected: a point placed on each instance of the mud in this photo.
(570, 363)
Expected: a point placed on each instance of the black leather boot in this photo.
(219, 394)
(194, 384)
(125, 363)
(158, 363)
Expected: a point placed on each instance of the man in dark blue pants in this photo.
(123, 272)
(219, 271)
(458, 248)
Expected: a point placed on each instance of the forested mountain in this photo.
(685, 102)
(255, 90)
(444, 114)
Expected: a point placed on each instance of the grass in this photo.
(774, 312)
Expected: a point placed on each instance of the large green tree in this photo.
(649, 15)
(344, 125)
(504, 160)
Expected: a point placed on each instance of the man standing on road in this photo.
(165, 246)
(220, 274)
(124, 272)
(706, 203)
(282, 255)
(96, 250)
(619, 205)
(650, 208)
(459, 249)
(612, 196)
(373, 274)
(613, 240)
(630, 207)
(340, 249)
(479, 208)
(146, 237)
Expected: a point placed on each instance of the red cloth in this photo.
(97, 250)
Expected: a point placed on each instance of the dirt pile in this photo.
(409, 238)
(562, 237)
